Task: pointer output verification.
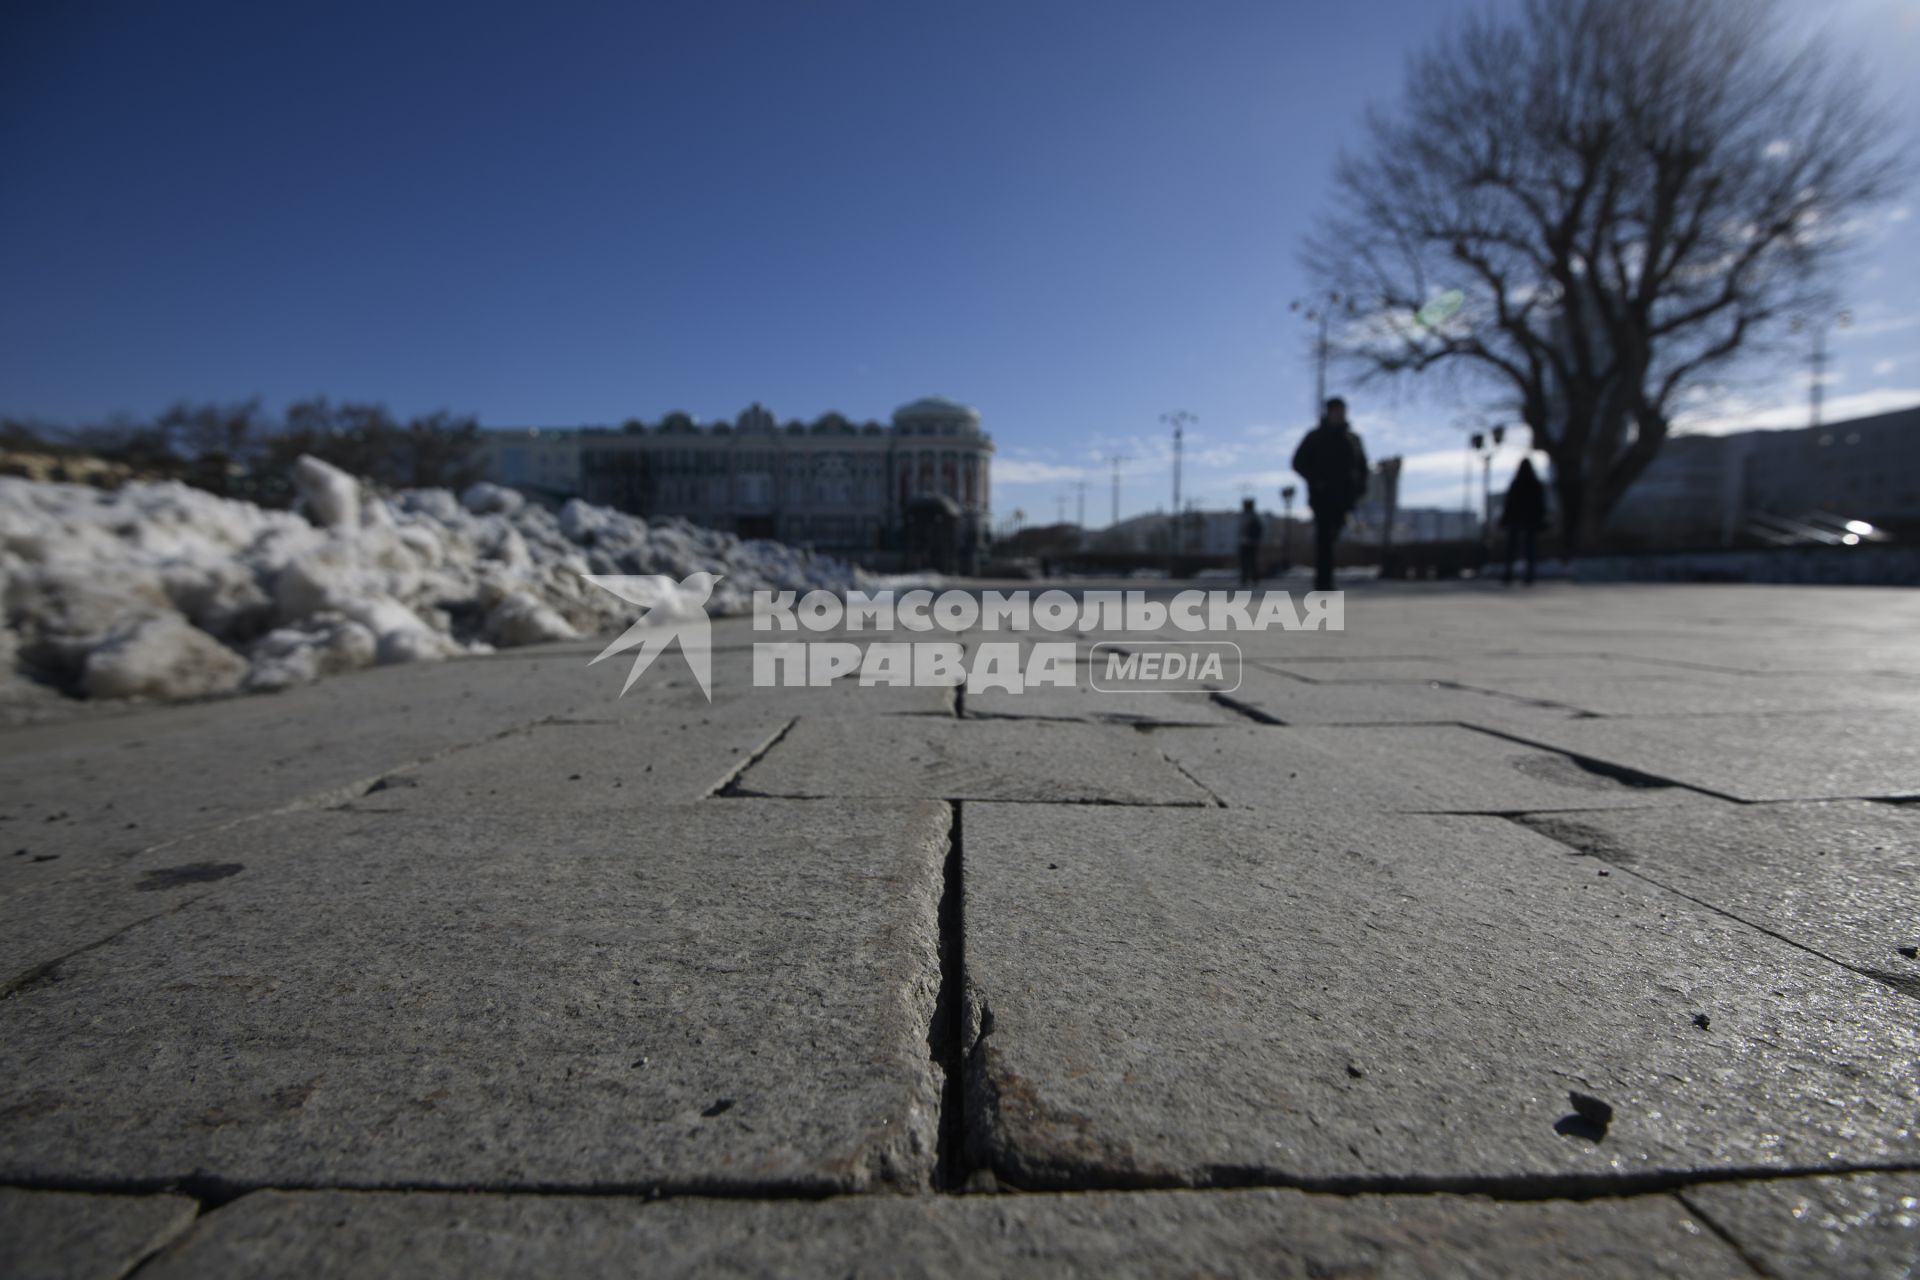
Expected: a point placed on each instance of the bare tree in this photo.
(1593, 207)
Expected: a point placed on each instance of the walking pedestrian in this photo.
(1334, 464)
(1523, 515)
(1252, 529)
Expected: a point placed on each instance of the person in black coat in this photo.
(1334, 464)
(1523, 515)
(1252, 529)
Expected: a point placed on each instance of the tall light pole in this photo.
(1816, 383)
(1319, 314)
(1116, 460)
(1474, 442)
(1388, 471)
(1179, 420)
(1486, 480)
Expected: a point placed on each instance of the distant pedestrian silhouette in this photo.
(1523, 515)
(1334, 465)
(1251, 529)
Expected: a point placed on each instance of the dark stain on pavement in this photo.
(1578, 771)
(1906, 984)
(1581, 838)
(189, 873)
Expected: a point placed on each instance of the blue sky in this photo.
(1074, 216)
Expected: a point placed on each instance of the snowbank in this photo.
(166, 591)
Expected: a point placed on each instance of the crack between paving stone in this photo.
(1725, 1236)
(1793, 800)
(726, 784)
(1460, 687)
(730, 786)
(1898, 983)
(1182, 770)
(956, 693)
(742, 793)
(1516, 1187)
(1244, 709)
(1520, 815)
(947, 1036)
(213, 1192)
(200, 1210)
(1620, 773)
(47, 970)
(343, 796)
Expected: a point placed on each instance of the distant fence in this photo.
(1868, 565)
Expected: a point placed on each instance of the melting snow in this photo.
(167, 591)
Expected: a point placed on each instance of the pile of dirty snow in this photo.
(165, 591)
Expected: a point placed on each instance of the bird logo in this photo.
(674, 611)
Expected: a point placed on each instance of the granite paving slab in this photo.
(738, 683)
(733, 995)
(1034, 760)
(1288, 700)
(1354, 1000)
(1833, 755)
(59, 1235)
(1442, 665)
(1084, 702)
(1862, 1227)
(564, 767)
(79, 793)
(1841, 877)
(1688, 693)
(1231, 1233)
(1401, 768)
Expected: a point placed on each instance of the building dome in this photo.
(936, 415)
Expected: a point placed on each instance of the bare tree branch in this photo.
(1628, 193)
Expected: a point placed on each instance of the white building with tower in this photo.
(852, 489)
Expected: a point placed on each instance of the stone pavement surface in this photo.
(1564, 932)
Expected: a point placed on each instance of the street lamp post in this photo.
(1819, 324)
(1116, 460)
(1319, 314)
(1486, 481)
(1388, 471)
(1179, 420)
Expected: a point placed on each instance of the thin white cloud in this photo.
(1028, 471)
(1731, 416)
